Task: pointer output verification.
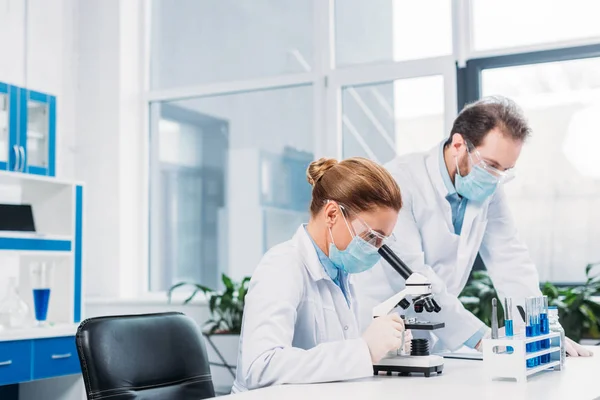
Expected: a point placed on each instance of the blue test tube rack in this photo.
(507, 357)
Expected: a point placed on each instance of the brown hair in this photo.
(476, 120)
(358, 183)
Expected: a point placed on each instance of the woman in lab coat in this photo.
(300, 318)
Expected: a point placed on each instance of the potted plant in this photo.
(222, 330)
(578, 308)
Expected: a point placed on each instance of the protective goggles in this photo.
(359, 228)
(477, 160)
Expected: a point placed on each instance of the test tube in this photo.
(544, 329)
(532, 325)
(508, 320)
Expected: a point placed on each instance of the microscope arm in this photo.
(387, 306)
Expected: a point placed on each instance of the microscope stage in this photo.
(405, 365)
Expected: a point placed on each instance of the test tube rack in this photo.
(506, 357)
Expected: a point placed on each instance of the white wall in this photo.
(110, 144)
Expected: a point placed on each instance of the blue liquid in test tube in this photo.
(545, 329)
(532, 328)
(508, 321)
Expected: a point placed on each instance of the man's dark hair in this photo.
(477, 119)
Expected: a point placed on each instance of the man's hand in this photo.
(576, 350)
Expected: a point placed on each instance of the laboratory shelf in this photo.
(23, 178)
(35, 332)
(35, 243)
(542, 367)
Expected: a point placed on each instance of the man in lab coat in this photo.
(454, 208)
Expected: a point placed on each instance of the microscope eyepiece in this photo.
(428, 304)
(436, 306)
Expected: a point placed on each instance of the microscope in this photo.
(417, 288)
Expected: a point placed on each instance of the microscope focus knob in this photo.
(404, 304)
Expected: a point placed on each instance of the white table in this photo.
(461, 379)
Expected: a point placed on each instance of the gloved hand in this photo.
(576, 350)
(383, 335)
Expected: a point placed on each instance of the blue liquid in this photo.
(545, 329)
(544, 324)
(536, 332)
(529, 333)
(41, 298)
(508, 327)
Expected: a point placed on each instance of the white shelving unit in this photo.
(31, 352)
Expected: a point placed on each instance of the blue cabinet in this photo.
(37, 132)
(54, 357)
(27, 360)
(9, 150)
(15, 361)
(27, 131)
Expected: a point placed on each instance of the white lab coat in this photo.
(427, 243)
(298, 327)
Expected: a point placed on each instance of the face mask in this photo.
(358, 257)
(477, 185)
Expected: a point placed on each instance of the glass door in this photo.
(37, 138)
(4, 126)
(8, 139)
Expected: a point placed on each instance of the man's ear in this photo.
(457, 143)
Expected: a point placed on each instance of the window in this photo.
(202, 41)
(227, 181)
(387, 119)
(243, 97)
(555, 198)
(396, 30)
(515, 23)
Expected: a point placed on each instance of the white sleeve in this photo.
(267, 356)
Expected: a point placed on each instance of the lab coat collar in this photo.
(309, 255)
(434, 164)
(444, 172)
(434, 170)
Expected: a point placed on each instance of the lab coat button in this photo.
(346, 327)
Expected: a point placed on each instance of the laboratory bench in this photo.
(461, 379)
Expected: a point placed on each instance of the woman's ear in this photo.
(332, 213)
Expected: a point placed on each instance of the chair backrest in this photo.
(151, 356)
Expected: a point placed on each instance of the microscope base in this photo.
(405, 365)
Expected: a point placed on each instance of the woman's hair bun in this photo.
(318, 168)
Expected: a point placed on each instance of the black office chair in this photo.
(150, 357)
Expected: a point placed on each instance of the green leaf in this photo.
(186, 301)
(174, 287)
(212, 303)
(587, 312)
(227, 282)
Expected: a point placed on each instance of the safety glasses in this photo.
(477, 160)
(358, 227)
